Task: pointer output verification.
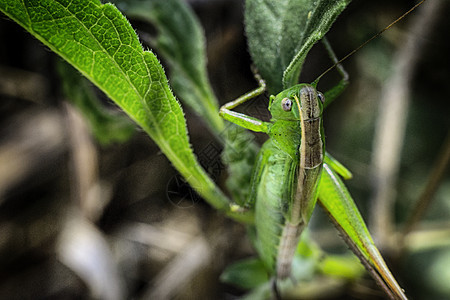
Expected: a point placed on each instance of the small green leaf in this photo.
(100, 42)
(343, 266)
(262, 292)
(107, 126)
(246, 274)
(180, 41)
(281, 33)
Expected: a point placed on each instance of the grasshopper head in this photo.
(285, 105)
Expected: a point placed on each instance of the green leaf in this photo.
(262, 292)
(343, 266)
(239, 154)
(107, 126)
(180, 41)
(100, 42)
(281, 33)
(246, 274)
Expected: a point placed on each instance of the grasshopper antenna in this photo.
(369, 40)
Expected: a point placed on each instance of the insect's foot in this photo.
(275, 290)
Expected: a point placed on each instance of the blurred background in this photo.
(84, 219)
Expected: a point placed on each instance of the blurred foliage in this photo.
(106, 126)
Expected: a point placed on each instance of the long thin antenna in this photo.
(369, 40)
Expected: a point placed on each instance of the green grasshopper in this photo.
(287, 172)
(293, 171)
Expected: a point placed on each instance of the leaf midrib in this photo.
(160, 140)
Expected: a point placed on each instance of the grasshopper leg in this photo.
(335, 91)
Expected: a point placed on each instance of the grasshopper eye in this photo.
(321, 97)
(286, 104)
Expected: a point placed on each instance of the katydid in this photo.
(285, 182)
(293, 170)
